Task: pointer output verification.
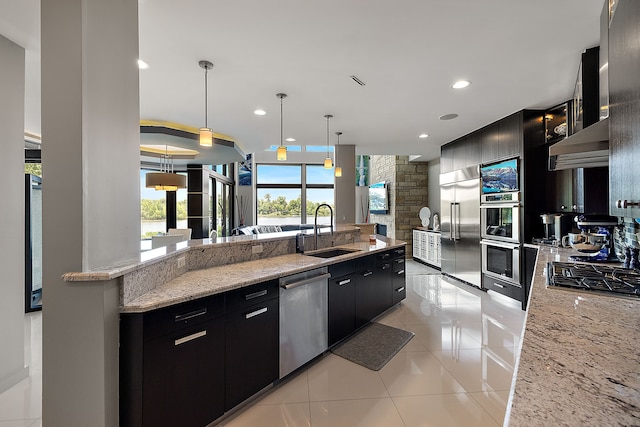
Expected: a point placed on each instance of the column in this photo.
(345, 186)
(91, 199)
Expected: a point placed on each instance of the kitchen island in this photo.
(579, 362)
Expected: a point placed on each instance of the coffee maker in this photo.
(555, 226)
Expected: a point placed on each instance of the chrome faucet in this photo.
(315, 221)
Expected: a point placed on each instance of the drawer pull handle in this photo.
(255, 313)
(367, 273)
(344, 282)
(255, 295)
(384, 267)
(401, 272)
(190, 337)
(400, 289)
(190, 315)
(498, 285)
(400, 261)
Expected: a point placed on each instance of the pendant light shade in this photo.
(281, 153)
(206, 133)
(166, 179)
(338, 172)
(328, 163)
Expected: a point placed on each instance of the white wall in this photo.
(12, 64)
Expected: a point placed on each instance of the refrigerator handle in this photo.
(457, 210)
(452, 226)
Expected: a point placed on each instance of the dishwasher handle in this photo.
(306, 281)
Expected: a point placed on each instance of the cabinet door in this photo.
(510, 131)
(183, 381)
(624, 95)
(384, 282)
(446, 158)
(365, 290)
(252, 350)
(460, 153)
(342, 307)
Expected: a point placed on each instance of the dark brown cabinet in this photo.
(398, 281)
(252, 341)
(342, 301)
(624, 105)
(171, 365)
(502, 139)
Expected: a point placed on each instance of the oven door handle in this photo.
(500, 206)
(515, 247)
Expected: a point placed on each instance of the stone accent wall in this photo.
(383, 168)
(408, 193)
(412, 193)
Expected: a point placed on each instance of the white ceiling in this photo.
(517, 54)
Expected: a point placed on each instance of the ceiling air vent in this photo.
(357, 80)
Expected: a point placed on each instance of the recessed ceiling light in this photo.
(142, 65)
(290, 140)
(461, 84)
(259, 112)
(423, 135)
(448, 116)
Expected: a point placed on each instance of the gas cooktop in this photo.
(594, 278)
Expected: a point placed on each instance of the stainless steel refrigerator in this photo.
(460, 224)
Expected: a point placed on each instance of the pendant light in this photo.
(206, 133)
(281, 153)
(328, 163)
(166, 179)
(335, 155)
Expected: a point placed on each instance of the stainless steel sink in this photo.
(330, 253)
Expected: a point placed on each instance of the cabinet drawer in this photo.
(342, 268)
(398, 264)
(398, 252)
(254, 294)
(383, 257)
(167, 320)
(501, 286)
(399, 292)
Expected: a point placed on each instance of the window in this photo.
(290, 194)
(153, 208)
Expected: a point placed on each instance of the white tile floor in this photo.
(456, 371)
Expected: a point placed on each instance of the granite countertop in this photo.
(200, 283)
(157, 255)
(579, 362)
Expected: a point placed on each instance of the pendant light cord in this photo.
(328, 117)
(281, 121)
(206, 98)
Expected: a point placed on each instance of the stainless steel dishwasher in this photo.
(303, 318)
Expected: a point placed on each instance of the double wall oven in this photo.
(500, 229)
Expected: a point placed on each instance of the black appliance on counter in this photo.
(596, 278)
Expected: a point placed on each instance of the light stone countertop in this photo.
(200, 283)
(157, 255)
(579, 363)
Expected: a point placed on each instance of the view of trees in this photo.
(151, 210)
(279, 207)
(33, 169)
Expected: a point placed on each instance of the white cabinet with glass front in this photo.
(426, 247)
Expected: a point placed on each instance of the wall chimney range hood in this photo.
(588, 148)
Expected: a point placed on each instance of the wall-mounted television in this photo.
(378, 198)
(500, 177)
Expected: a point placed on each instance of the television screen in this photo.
(378, 198)
(501, 177)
